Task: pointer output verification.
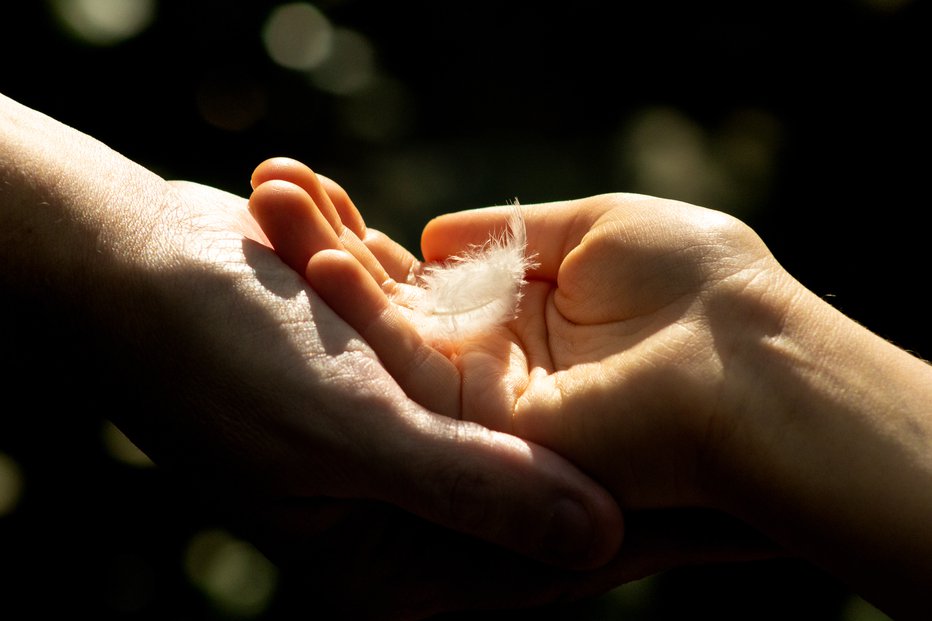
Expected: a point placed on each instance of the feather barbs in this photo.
(473, 292)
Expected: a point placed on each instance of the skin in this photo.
(173, 316)
(664, 349)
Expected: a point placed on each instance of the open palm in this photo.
(618, 355)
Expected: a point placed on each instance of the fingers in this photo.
(425, 374)
(292, 222)
(484, 484)
(503, 490)
(346, 209)
(330, 197)
(397, 261)
(292, 171)
(296, 209)
(351, 282)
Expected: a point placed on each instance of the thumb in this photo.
(553, 229)
(501, 489)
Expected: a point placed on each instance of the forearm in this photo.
(839, 447)
(66, 204)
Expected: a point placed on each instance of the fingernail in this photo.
(568, 535)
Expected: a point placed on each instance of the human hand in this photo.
(663, 348)
(610, 314)
(222, 365)
(535, 375)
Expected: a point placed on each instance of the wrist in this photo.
(830, 453)
(70, 209)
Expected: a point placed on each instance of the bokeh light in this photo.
(11, 484)
(857, 609)
(796, 128)
(298, 36)
(349, 68)
(121, 448)
(728, 166)
(666, 155)
(631, 600)
(104, 22)
(237, 579)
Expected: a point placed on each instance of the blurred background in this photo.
(808, 122)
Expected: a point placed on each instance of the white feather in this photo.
(469, 294)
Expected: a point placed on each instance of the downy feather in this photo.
(471, 293)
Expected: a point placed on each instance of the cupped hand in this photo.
(352, 482)
(221, 364)
(682, 366)
(622, 354)
(633, 326)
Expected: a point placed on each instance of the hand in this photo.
(227, 370)
(530, 377)
(662, 347)
(608, 316)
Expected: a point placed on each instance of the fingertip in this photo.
(438, 235)
(270, 196)
(280, 167)
(291, 221)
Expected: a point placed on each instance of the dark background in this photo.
(808, 123)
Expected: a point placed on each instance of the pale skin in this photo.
(181, 325)
(664, 349)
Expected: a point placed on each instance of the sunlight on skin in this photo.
(663, 349)
(573, 320)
